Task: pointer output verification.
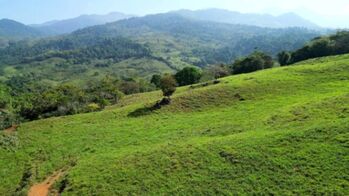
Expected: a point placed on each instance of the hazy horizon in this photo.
(333, 14)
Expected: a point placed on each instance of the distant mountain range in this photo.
(67, 26)
(261, 20)
(13, 29)
(169, 40)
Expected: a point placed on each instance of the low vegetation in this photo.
(276, 131)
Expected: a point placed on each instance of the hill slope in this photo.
(278, 131)
(13, 29)
(73, 24)
(173, 42)
(262, 20)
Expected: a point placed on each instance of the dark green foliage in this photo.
(284, 58)
(156, 80)
(27, 97)
(63, 100)
(77, 49)
(4, 96)
(323, 46)
(104, 92)
(7, 117)
(193, 42)
(255, 61)
(32, 100)
(188, 75)
(168, 85)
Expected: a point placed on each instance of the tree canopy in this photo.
(188, 75)
(253, 62)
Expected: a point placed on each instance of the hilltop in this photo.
(58, 27)
(277, 131)
(13, 29)
(286, 20)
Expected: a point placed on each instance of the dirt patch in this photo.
(11, 129)
(43, 188)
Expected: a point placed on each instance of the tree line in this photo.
(26, 98)
(319, 47)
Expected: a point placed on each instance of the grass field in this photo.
(282, 131)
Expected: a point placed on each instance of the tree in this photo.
(215, 72)
(284, 58)
(254, 62)
(156, 80)
(130, 87)
(168, 85)
(188, 75)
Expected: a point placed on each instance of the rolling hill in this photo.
(151, 44)
(58, 27)
(282, 131)
(262, 20)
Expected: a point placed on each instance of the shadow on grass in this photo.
(149, 110)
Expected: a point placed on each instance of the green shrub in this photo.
(168, 85)
(188, 76)
(93, 107)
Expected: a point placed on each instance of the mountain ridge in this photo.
(261, 20)
(65, 26)
(142, 46)
(13, 29)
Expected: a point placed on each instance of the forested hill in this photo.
(69, 25)
(262, 20)
(211, 42)
(318, 47)
(14, 29)
(140, 47)
(11, 30)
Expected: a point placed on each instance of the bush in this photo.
(7, 119)
(130, 87)
(168, 85)
(93, 107)
(188, 76)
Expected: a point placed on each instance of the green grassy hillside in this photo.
(280, 131)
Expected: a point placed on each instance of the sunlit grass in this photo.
(279, 131)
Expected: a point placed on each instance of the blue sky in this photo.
(333, 13)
